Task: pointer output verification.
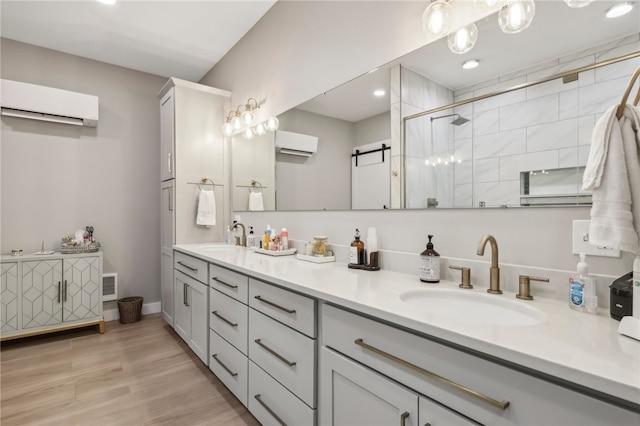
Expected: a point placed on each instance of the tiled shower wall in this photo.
(542, 127)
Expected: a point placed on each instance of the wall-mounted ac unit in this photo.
(109, 287)
(296, 143)
(25, 100)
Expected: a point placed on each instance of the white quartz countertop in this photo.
(576, 347)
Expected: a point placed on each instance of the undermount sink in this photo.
(472, 307)
(217, 247)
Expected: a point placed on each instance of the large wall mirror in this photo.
(518, 148)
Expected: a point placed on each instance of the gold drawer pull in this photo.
(403, 418)
(191, 268)
(224, 319)
(274, 353)
(289, 311)
(499, 404)
(215, 356)
(266, 407)
(223, 283)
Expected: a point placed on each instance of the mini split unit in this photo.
(296, 143)
(24, 100)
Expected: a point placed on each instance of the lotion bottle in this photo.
(429, 268)
(582, 292)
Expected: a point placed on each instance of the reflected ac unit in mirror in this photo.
(296, 144)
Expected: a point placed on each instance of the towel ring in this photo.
(203, 181)
(627, 92)
(255, 185)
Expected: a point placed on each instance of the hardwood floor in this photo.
(134, 374)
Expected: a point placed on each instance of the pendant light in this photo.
(436, 19)
(272, 124)
(516, 16)
(463, 40)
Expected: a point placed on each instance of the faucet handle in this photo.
(466, 276)
(525, 286)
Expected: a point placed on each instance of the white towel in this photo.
(206, 208)
(255, 202)
(613, 175)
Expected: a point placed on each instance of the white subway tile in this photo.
(487, 170)
(529, 113)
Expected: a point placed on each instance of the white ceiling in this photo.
(182, 39)
(556, 30)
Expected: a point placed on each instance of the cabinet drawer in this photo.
(229, 318)
(405, 357)
(192, 266)
(285, 354)
(229, 282)
(289, 308)
(229, 365)
(273, 404)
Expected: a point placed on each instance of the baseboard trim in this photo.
(147, 308)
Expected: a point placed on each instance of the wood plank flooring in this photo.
(134, 374)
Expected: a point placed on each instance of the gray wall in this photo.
(58, 178)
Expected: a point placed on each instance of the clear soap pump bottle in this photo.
(429, 269)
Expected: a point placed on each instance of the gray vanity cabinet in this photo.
(9, 297)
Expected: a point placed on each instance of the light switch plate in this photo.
(581, 241)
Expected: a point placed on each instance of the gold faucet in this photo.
(494, 277)
(240, 241)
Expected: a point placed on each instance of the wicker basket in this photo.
(130, 309)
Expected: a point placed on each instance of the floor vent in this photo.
(109, 287)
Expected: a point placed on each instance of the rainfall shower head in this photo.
(457, 122)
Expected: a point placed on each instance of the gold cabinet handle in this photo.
(184, 296)
(274, 353)
(224, 283)
(289, 311)
(224, 319)
(266, 407)
(187, 266)
(59, 290)
(215, 356)
(403, 418)
(499, 404)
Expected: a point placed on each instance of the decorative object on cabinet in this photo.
(242, 120)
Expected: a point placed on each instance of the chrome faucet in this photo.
(494, 277)
(240, 241)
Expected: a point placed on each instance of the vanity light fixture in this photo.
(470, 64)
(242, 120)
(516, 16)
(619, 9)
(437, 18)
(485, 5)
(379, 93)
(577, 3)
(463, 40)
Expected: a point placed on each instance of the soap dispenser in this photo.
(429, 269)
(582, 292)
(356, 251)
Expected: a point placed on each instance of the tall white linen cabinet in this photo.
(194, 155)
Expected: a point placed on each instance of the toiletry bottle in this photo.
(228, 237)
(429, 269)
(356, 252)
(266, 240)
(582, 292)
(372, 247)
(251, 238)
(284, 238)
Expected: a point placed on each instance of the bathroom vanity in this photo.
(304, 343)
(46, 293)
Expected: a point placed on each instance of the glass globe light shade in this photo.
(236, 123)
(436, 19)
(272, 124)
(485, 5)
(463, 40)
(247, 118)
(577, 3)
(227, 129)
(248, 134)
(260, 129)
(516, 16)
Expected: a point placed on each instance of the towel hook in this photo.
(203, 181)
(627, 91)
(255, 185)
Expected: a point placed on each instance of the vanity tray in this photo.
(80, 248)
(276, 253)
(316, 259)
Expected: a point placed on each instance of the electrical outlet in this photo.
(581, 241)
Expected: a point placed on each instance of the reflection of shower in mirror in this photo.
(457, 122)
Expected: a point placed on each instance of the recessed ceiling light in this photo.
(619, 10)
(379, 93)
(470, 64)
(107, 1)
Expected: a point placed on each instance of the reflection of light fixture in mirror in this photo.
(470, 64)
(485, 5)
(436, 18)
(260, 129)
(463, 40)
(619, 9)
(577, 3)
(248, 133)
(516, 16)
(242, 120)
(379, 93)
(272, 124)
(247, 115)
